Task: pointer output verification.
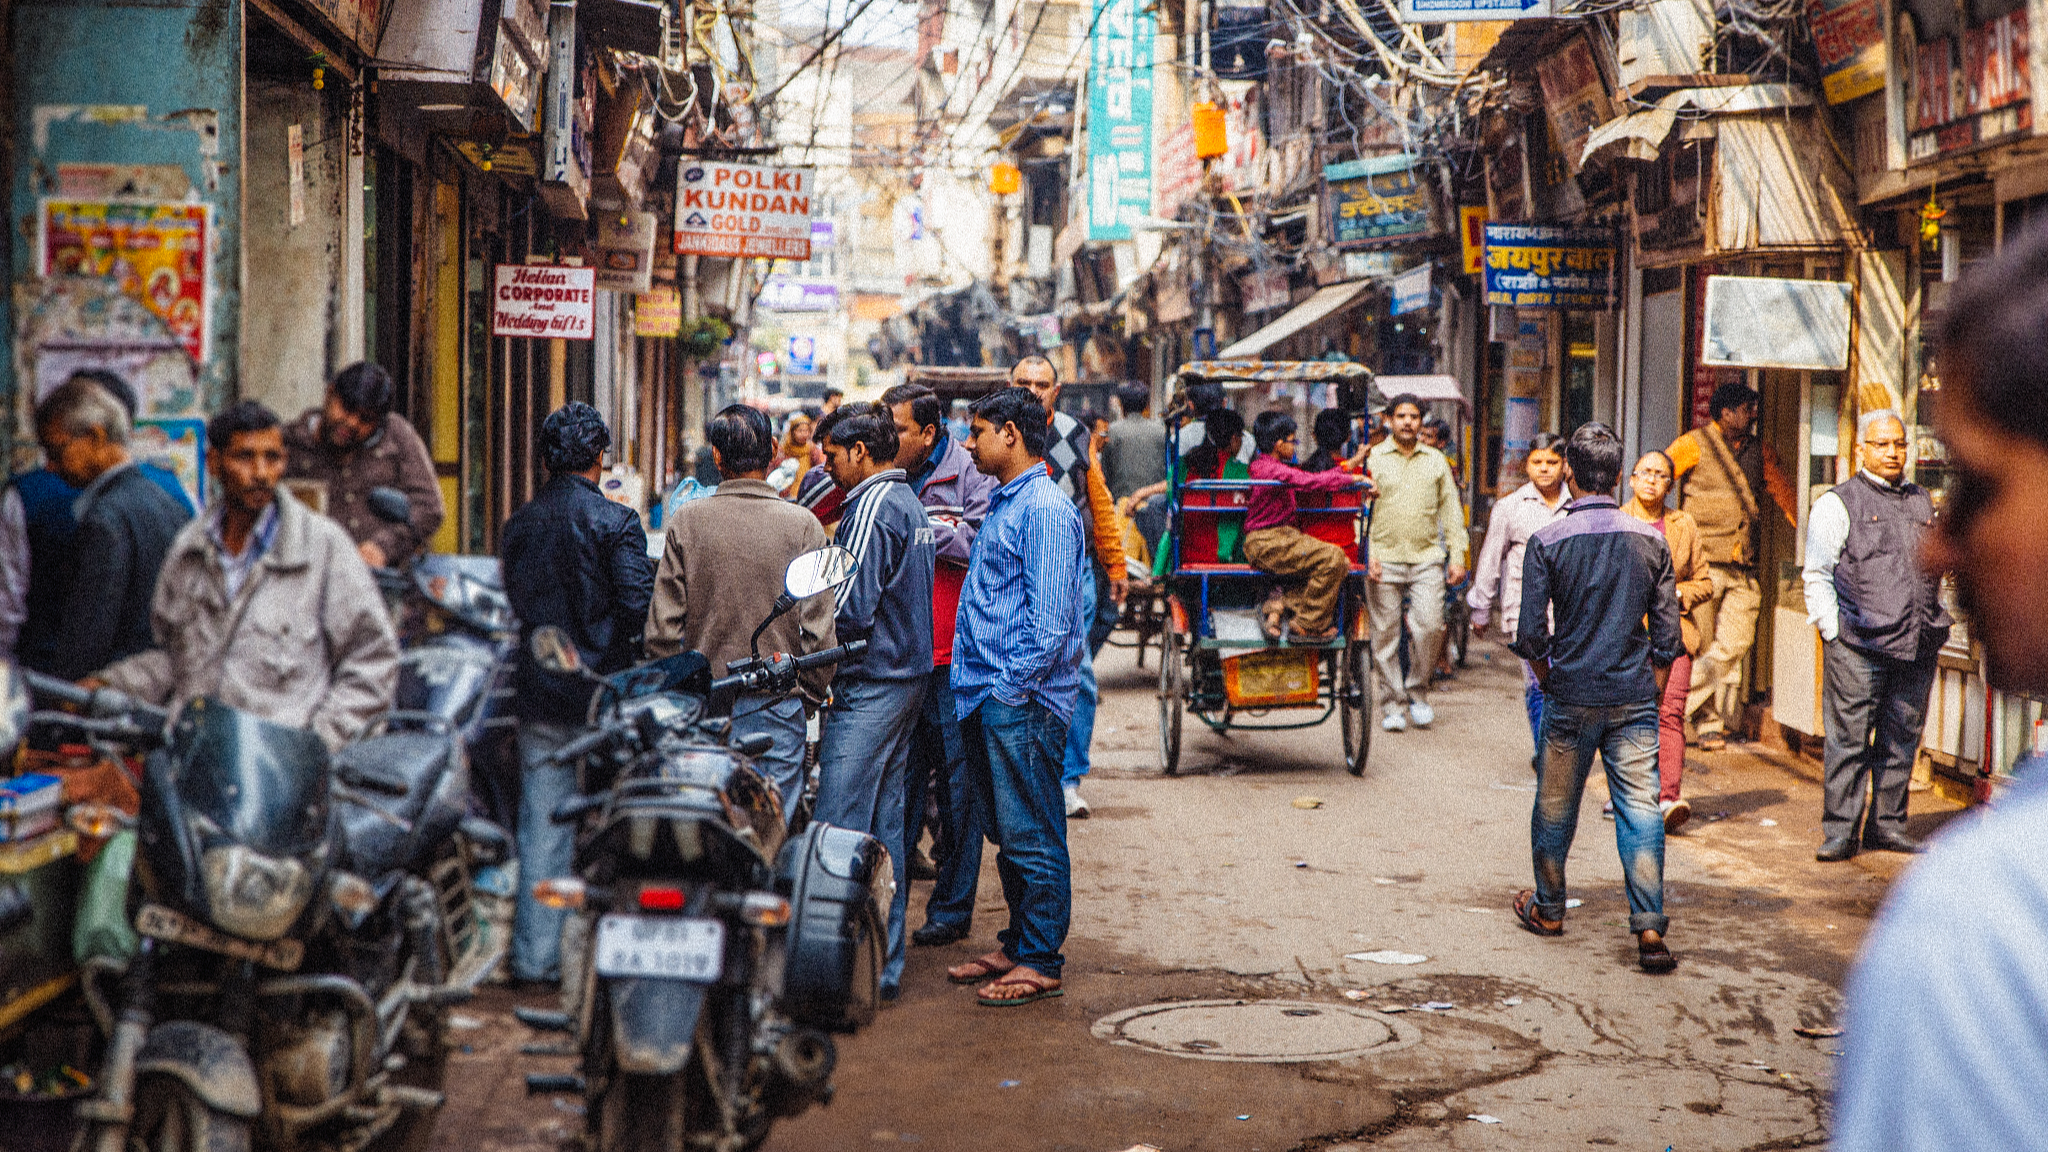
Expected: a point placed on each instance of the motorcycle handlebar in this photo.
(764, 673)
(101, 703)
(583, 745)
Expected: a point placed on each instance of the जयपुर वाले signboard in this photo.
(544, 300)
(743, 210)
(1549, 266)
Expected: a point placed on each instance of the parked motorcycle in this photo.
(304, 923)
(720, 951)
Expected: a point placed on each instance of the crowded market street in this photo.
(1222, 885)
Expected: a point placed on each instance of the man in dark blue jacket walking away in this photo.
(877, 696)
(1606, 578)
(578, 561)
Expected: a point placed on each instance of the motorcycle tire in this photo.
(169, 1117)
(423, 1041)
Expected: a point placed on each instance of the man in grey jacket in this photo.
(722, 567)
(877, 696)
(264, 604)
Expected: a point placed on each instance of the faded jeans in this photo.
(783, 721)
(1013, 758)
(863, 756)
(938, 759)
(1625, 737)
(1081, 733)
(1423, 585)
(547, 850)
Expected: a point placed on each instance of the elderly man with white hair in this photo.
(1882, 621)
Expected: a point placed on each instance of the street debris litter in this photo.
(1511, 1001)
(1818, 1033)
(1768, 823)
(1482, 1117)
(1386, 956)
(1308, 802)
(1436, 1006)
(1574, 902)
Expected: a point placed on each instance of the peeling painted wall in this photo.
(139, 100)
(291, 311)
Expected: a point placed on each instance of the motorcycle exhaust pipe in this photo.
(806, 1058)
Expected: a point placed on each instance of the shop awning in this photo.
(1640, 135)
(1425, 388)
(1324, 303)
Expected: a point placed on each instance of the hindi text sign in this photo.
(1119, 119)
(743, 210)
(1377, 200)
(544, 300)
(1549, 266)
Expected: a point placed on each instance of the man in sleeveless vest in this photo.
(1723, 470)
(1882, 622)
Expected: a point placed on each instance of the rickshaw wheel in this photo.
(1354, 704)
(1171, 700)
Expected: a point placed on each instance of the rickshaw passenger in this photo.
(1274, 543)
(1214, 458)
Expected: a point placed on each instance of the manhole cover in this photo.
(1256, 1031)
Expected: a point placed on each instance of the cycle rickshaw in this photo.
(1215, 662)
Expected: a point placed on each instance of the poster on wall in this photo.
(1549, 266)
(1849, 36)
(178, 446)
(545, 300)
(1119, 119)
(1377, 200)
(157, 253)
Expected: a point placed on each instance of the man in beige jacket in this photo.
(264, 604)
(722, 565)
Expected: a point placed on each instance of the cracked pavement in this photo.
(1213, 885)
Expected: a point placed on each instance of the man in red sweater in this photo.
(1274, 543)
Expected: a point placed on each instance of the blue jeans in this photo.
(1625, 736)
(1013, 764)
(938, 756)
(862, 758)
(783, 721)
(1532, 700)
(547, 850)
(1081, 733)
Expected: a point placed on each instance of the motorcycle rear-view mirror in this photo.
(390, 505)
(819, 570)
(554, 651)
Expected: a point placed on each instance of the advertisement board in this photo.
(159, 254)
(1377, 200)
(1849, 37)
(658, 312)
(1549, 266)
(1411, 291)
(743, 210)
(544, 300)
(789, 294)
(625, 251)
(1119, 119)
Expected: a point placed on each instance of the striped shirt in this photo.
(1019, 632)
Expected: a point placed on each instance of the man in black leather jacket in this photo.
(578, 561)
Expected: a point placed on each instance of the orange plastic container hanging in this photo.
(1211, 139)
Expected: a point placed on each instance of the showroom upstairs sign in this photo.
(743, 210)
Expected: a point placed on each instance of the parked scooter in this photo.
(304, 928)
(719, 950)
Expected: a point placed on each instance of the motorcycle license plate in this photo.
(161, 923)
(664, 947)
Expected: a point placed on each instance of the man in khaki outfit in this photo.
(263, 603)
(1418, 545)
(1721, 468)
(721, 569)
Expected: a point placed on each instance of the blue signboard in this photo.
(1448, 11)
(1119, 119)
(1549, 266)
(1378, 200)
(803, 355)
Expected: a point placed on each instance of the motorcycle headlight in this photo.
(254, 896)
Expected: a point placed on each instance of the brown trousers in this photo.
(1288, 551)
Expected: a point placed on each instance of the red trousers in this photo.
(1671, 730)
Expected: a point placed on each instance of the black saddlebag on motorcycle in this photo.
(840, 884)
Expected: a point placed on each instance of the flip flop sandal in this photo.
(1041, 989)
(1655, 957)
(982, 970)
(1525, 911)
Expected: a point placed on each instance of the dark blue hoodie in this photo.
(888, 602)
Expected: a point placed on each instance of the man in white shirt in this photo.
(1882, 623)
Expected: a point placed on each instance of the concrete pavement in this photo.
(1215, 886)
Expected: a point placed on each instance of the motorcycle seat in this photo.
(383, 833)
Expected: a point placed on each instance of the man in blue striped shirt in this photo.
(1016, 673)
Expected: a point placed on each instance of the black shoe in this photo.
(933, 935)
(1886, 840)
(920, 866)
(1836, 848)
(891, 993)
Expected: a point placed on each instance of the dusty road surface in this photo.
(1215, 920)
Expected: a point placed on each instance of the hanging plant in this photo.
(704, 336)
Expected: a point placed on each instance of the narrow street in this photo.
(1227, 884)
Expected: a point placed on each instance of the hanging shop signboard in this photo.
(1574, 97)
(159, 254)
(1966, 92)
(1849, 36)
(1549, 266)
(1411, 291)
(1764, 322)
(1377, 201)
(564, 184)
(625, 251)
(789, 294)
(803, 355)
(1119, 119)
(1472, 236)
(743, 210)
(1454, 11)
(1264, 289)
(544, 300)
(658, 312)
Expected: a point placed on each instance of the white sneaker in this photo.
(1393, 722)
(1077, 808)
(1421, 714)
